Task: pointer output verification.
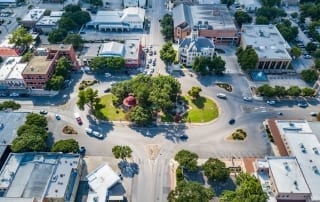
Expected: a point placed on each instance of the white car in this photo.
(307, 57)
(107, 75)
(89, 130)
(97, 134)
(271, 102)
(313, 113)
(249, 99)
(221, 95)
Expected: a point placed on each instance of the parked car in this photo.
(232, 121)
(249, 99)
(221, 95)
(107, 90)
(313, 113)
(307, 57)
(78, 118)
(58, 117)
(43, 112)
(82, 151)
(182, 136)
(271, 102)
(302, 104)
(88, 130)
(97, 134)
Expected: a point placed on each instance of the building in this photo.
(288, 3)
(111, 49)
(194, 46)
(11, 74)
(249, 5)
(133, 53)
(178, 2)
(32, 17)
(8, 3)
(271, 48)
(128, 19)
(37, 176)
(100, 181)
(42, 66)
(48, 23)
(134, 3)
(213, 21)
(282, 179)
(295, 138)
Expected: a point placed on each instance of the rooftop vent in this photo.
(286, 166)
(291, 124)
(316, 151)
(315, 169)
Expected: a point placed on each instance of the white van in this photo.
(89, 130)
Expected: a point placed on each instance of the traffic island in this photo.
(239, 134)
(225, 86)
(69, 130)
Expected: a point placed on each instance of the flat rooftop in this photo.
(266, 40)
(250, 3)
(131, 47)
(306, 148)
(62, 47)
(287, 175)
(10, 66)
(38, 65)
(11, 122)
(213, 16)
(38, 175)
(34, 14)
(293, 126)
(48, 21)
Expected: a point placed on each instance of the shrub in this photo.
(179, 174)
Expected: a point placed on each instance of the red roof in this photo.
(130, 101)
(9, 52)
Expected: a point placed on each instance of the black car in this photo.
(82, 151)
(232, 121)
(107, 90)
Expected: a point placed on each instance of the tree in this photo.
(115, 63)
(296, 52)
(308, 91)
(309, 75)
(311, 47)
(167, 53)
(97, 3)
(63, 67)
(9, 104)
(270, 13)
(32, 129)
(200, 65)
(215, 169)
(28, 143)
(140, 116)
(21, 38)
(242, 17)
(316, 54)
(247, 58)
(249, 189)
(88, 97)
(317, 64)
(66, 146)
(190, 191)
(36, 119)
(217, 65)
(271, 2)
(294, 91)
(57, 35)
(187, 160)
(195, 91)
(288, 32)
(26, 56)
(280, 91)
(227, 2)
(67, 24)
(167, 27)
(266, 90)
(72, 8)
(122, 152)
(294, 15)
(262, 20)
(98, 63)
(55, 83)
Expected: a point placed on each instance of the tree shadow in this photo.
(196, 176)
(199, 102)
(101, 126)
(98, 113)
(220, 187)
(128, 169)
(50, 140)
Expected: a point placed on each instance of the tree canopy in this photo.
(187, 160)
(55, 83)
(36, 119)
(190, 191)
(141, 116)
(269, 91)
(296, 52)
(74, 39)
(194, 91)
(242, 17)
(215, 169)
(310, 75)
(21, 38)
(270, 13)
(247, 58)
(206, 65)
(167, 53)
(122, 152)
(107, 63)
(167, 27)
(88, 97)
(9, 104)
(288, 32)
(57, 35)
(66, 146)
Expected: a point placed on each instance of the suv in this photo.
(221, 95)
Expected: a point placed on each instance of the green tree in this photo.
(317, 63)
(27, 56)
(280, 91)
(270, 13)
(270, 2)
(66, 146)
(217, 65)
(187, 160)
(215, 169)
(262, 20)
(67, 24)
(167, 53)
(247, 58)
(249, 189)
(311, 47)
(140, 116)
(98, 63)
(32, 129)
(309, 75)
(36, 119)
(21, 38)
(9, 104)
(242, 17)
(55, 83)
(115, 63)
(308, 91)
(195, 92)
(74, 39)
(266, 90)
(227, 2)
(296, 52)
(288, 32)
(201, 65)
(294, 91)
(316, 54)
(88, 97)
(63, 67)
(28, 143)
(167, 27)
(72, 8)
(190, 191)
(294, 15)
(122, 152)
(57, 35)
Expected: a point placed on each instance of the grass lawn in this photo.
(108, 111)
(201, 110)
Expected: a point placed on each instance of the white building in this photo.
(7, 3)
(134, 3)
(249, 5)
(126, 20)
(111, 49)
(32, 17)
(194, 46)
(272, 49)
(48, 23)
(100, 181)
(11, 74)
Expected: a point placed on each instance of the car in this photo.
(107, 75)
(120, 176)
(112, 83)
(150, 46)
(88, 130)
(154, 52)
(302, 104)
(82, 32)
(150, 53)
(183, 136)
(271, 102)
(313, 113)
(280, 113)
(232, 121)
(150, 61)
(58, 117)
(43, 112)
(249, 99)
(9, 22)
(14, 95)
(307, 57)
(107, 90)
(82, 151)
(78, 118)
(97, 134)
(221, 95)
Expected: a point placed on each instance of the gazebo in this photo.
(129, 102)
